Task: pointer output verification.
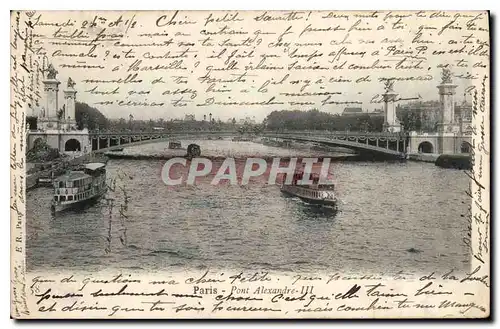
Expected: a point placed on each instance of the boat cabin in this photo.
(95, 169)
(314, 177)
(81, 184)
(174, 145)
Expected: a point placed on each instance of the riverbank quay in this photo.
(58, 167)
(424, 157)
(454, 161)
(451, 161)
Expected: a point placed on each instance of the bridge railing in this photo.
(265, 132)
(385, 142)
(160, 133)
(327, 133)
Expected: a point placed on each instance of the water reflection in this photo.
(319, 212)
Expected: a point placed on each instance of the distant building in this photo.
(376, 113)
(247, 120)
(428, 111)
(351, 111)
(189, 117)
(463, 115)
(463, 112)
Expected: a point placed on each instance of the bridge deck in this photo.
(335, 141)
(358, 141)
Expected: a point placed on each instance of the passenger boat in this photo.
(173, 145)
(315, 193)
(79, 187)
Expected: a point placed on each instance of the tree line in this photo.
(316, 120)
(86, 116)
(90, 117)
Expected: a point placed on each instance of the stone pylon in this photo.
(447, 127)
(391, 122)
(48, 116)
(446, 119)
(70, 100)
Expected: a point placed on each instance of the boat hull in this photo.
(320, 202)
(59, 207)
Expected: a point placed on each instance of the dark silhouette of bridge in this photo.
(365, 143)
(109, 141)
(368, 143)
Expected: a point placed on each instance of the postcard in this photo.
(250, 164)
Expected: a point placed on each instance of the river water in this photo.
(393, 216)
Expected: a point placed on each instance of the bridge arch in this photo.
(72, 145)
(426, 147)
